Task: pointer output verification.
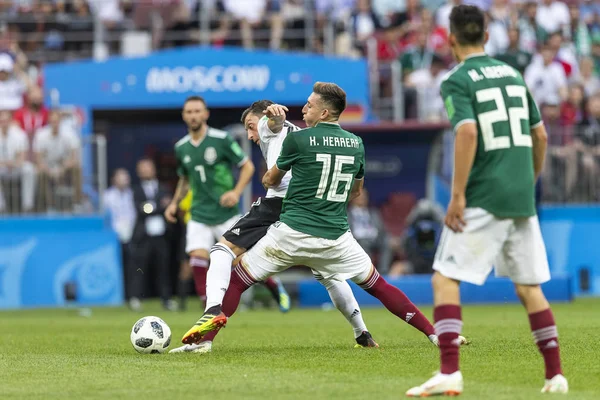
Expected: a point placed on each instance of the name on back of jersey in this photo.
(333, 141)
(493, 72)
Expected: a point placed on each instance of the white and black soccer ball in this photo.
(150, 335)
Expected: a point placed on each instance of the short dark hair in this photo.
(467, 23)
(333, 96)
(195, 98)
(256, 108)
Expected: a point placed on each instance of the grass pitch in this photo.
(306, 354)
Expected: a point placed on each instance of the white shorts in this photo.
(513, 245)
(202, 237)
(283, 247)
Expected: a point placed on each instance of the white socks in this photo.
(343, 299)
(219, 273)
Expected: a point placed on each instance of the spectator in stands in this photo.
(587, 78)
(427, 83)
(57, 150)
(588, 143)
(502, 12)
(498, 41)
(531, 34)
(546, 79)
(590, 13)
(553, 16)
(388, 10)
(418, 56)
(514, 56)
(596, 55)
(78, 22)
(149, 244)
(579, 33)
(368, 230)
(564, 54)
(561, 171)
(443, 13)
(109, 12)
(572, 111)
(251, 14)
(33, 115)
(12, 86)
(118, 201)
(17, 176)
(364, 22)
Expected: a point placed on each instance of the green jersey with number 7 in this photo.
(494, 95)
(208, 168)
(325, 161)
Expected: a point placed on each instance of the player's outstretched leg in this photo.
(448, 326)
(545, 335)
(397, 303)
(279, 293)
(343, 299)
(215, 317)
(219, 273)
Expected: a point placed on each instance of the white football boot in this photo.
(439, 385)
(203, 347)
(558, 384)
(462, 341)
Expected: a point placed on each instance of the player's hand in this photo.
(171, 213)
(455, 214)
(276, 111)
(229, 199)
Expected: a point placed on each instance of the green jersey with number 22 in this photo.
(494, 96)
(325, 161)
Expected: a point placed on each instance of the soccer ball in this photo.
(150, 335)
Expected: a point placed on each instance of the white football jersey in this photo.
(270, 145)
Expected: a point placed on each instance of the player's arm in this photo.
(246, 172)
(462, 117)
(359, 178)
(273, 177)
(183, 186)
(539, 137)
(287, 158)
(236, 156)
(357, 188)
(276, 114)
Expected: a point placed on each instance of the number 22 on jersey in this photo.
(512, 115)
(337, 177)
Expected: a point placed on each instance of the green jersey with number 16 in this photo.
(208, 167)
(325, 161)
(494, 96)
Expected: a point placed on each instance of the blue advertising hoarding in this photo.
(225, 77)
(41, 256)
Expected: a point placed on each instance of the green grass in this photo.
(306, 354)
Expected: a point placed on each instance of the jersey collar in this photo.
(475, 55)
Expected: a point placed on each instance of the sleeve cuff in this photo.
(243, 161)
(464, 121)
(537, 125)
(281, 169)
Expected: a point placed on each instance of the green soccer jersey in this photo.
(208, 167)
(325, 161)
(493, 95)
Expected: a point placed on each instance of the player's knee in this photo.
(328, 283)
(439, 281)
(529, 293)
(238, 251)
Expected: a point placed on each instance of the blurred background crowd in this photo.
(554, 44)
